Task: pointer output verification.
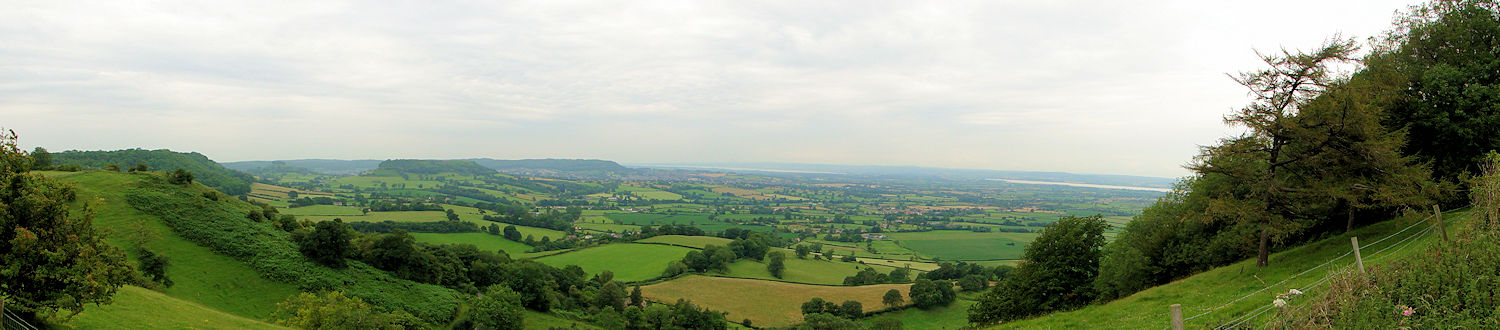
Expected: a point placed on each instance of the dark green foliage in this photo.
(892, 298)
(51, 259)
(819, 306)
(777, 264)
(828, 321)
(206, 171)
(712, 257)
(426, 166)
(1059, 267)
(635, 297)
(450, 215)
(415, 227)
(611, 295)
(852, 309)
(802, 251)
(327, 242)
(1450, 60)
(139, 168)
(927, 293)
(180, 176)
(898, 276)
(865, 276)
(973, 283)
(154, 266)
(41, 159)
(498, 308)
(511, 233)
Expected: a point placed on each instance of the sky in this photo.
(1105, 87)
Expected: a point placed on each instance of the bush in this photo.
(1059, 267)
(498, 308)
(927, 293)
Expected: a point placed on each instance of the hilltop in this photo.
(204, 170)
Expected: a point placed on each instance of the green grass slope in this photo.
(138, 308)
(201, 276)
(1218, 292)
(224, 260)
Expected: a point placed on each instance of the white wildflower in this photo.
(1295, 292)
(1279, 303)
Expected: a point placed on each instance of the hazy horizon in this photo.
(1124, 88)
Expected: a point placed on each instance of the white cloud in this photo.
(1083, 86)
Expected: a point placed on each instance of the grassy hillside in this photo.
(137, 308)
(201, 276)
(223, 260)
(765, 303)
(953, 316)
(1218, 292)
(204, 170)
(629, 262)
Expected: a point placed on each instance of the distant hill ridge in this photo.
(205, 170)
(428, 166)
(336, 166)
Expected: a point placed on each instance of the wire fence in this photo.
(1377, 255)
(13, 321)
(1252, 314)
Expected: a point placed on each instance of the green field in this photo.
(607, 227)
(965, 245)
(483, 241)
(630, 262)
(689, 241)
(802, 270)
(774, 304)
(660, 219)
(137, 308)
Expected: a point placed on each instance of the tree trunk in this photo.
(1263, 256)
(1349, 224)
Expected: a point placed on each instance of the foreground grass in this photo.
(543, 321)
(1214, 290)
(765, 303)
(138, 308)
(628, 261)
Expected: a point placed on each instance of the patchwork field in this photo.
(802, 270)
(775, 304)
(329, 210)
(630, 262)
(483, 241)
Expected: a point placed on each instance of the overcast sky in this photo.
(1112, 87)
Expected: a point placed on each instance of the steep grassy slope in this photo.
(1218, 292)
(137, 308)
(224, 260)
(201, 276)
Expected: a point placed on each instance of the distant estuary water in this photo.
(1085, 185)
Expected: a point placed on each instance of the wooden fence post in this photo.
(1177, 317)
(1358, 260)
(1438, 213)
